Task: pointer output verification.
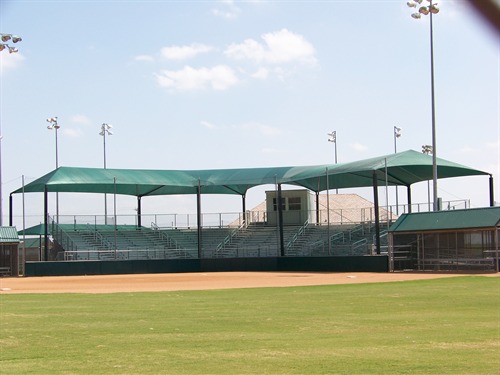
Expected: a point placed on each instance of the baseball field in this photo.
(251, 323)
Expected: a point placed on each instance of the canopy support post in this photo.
(198, 217)
(139, 212)
(280, 222)
(46, 223)
(408, 192)
(492, 197)
(377, 218)
(317, 208)
(244, 208)
(10, 209)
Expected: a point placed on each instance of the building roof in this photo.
(8, 235)
(404, 168)
(488, 217)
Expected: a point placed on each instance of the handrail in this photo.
(358, 244)
(300, 232)
(165, 237)
(230, 237)
(337, 235)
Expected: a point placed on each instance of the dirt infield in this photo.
(196, 281)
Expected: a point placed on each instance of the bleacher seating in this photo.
(105, 242)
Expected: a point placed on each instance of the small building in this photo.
(297, 207)
(456, 240)
(9, 251)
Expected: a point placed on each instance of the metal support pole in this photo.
(244, 207)
(139, 212)
(198, 215)
(433, 108)
(377, 217)
(492, 197)
(408, 194)
(11, 202)
(317, 208)
(280, 222)
(46, 223)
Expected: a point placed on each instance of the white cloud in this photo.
(10, 61)
(227, 10)
(80, 119)
(359, 147)
(184, 52)
(262, 129)
(146, 58)
(261, 73)
(220, 77)
(72, 132)
(208, 125)
(278, 47)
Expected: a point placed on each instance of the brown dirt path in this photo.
(197, 281)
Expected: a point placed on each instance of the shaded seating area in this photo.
(399, 169)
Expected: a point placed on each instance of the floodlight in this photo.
(434, 9)
(416, 15)
(5, 37)
(411, 4)
(13, 50)
(420, 1)
(2, 46)
(16, 39)
(424, 10)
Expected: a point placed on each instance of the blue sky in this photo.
(228, 84)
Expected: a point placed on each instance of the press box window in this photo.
(294, 204)
(282, 204)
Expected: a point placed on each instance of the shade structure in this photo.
(404, 169)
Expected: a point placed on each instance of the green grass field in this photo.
(442, 326)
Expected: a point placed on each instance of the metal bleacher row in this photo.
(127, 242)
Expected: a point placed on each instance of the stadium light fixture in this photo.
(430, 10)
(9, 37)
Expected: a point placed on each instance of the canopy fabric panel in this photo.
(404, 168)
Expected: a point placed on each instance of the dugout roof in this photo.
(404, 168)
(488, 217)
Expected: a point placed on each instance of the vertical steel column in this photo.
(10, 210)
(492, 197)
(408, 193)
(280, 222)
(244, 207)
(46, 223)
(377, 217)
(198, 216)
(139, 212)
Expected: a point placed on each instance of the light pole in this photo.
(55, 126)
(430, 10)
(397, 134)
(9, 37)
(105, 129)
(15, 39)
(333, 138)
(427, 149)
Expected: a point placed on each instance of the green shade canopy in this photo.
(8, 235)
(36, 230)
(448, 220)
(404, 168)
